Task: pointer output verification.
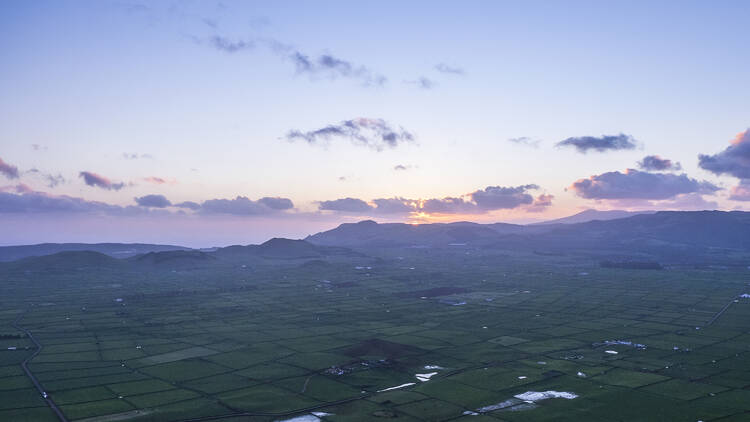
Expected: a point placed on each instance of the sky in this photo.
(209, 123)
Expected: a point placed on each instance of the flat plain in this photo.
(276, 339)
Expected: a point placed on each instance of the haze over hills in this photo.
(116, 250)
(664, 234)
(592, 214)
(66, 260)
(677, 236)
(280, 248)
(178, 258)
(528, 279)
(274, 250)
(370, 233)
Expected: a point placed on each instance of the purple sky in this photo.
(214, 123)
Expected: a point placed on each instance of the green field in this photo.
(288, 337)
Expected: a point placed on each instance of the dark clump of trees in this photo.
(632, 265)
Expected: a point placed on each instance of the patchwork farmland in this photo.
(526, 338)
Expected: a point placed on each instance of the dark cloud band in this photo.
(656, 163)
(634, 184)
(154, 201)
(9, 171)
(481, 201)
(323, 65)
(733, 161)
(97, 180)
(374, 133)
(584, 144)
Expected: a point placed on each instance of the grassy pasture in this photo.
(278, 341)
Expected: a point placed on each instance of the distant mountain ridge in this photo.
(274, 250)
(401, 234)
(592, 214)
(281, 248)
(66, 260)
(370, 233)
(669, 235)
(115, 250)
(672, 234)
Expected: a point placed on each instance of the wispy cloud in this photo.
(422, 83)
(584, 144)
(51, 180)
(276, 203)
(345, 205)
(135, 156)
(153, 201)
(189, 205)
(19, 188)
(379, 206)
(22, 199)
(445, 68)
(332, 67)
(97, 180)
(8, 170)
(448, 205)
(159, 180)
(491, 198)
(499, 197)
(526, 141)
(394, 205)
(374, 133)
(325, 65)
(39, 202)
(242, 205)
(211, 23)
(230, 46)
(481, 201)
(656, 163)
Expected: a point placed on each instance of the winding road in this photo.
(25, 366)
